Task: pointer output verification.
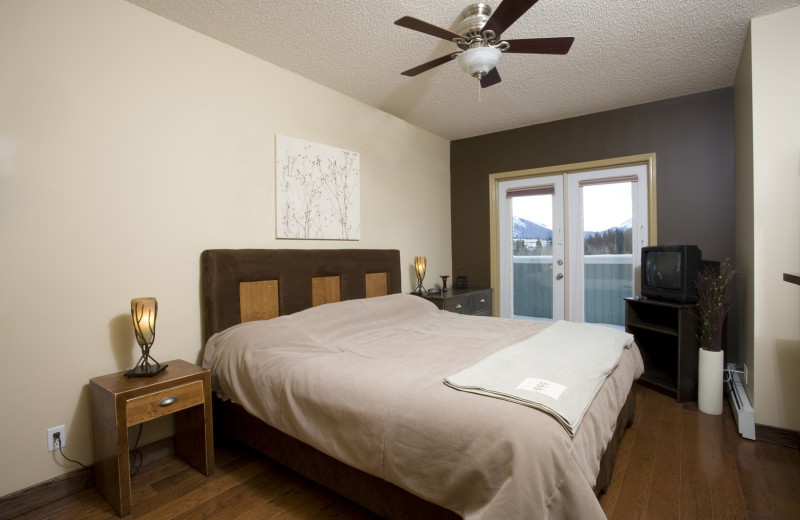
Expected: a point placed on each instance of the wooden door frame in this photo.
(649, 160)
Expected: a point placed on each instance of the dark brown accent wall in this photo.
(692, 137)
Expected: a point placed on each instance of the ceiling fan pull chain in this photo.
(479, 90)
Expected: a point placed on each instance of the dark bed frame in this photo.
(224, 271)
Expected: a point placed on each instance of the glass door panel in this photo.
(608, 222)
(607, 251)
(532, 234)
(532, 249)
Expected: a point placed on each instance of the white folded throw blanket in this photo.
(558, 371)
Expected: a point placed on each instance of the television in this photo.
(669, 272)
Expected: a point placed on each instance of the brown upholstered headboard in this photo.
(244, 284)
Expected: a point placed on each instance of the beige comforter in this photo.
(363, 382)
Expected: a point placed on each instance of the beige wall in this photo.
(742, 312)
(129, 144)
(772, 178)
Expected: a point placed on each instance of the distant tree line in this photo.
(532, 247)
(612, 241)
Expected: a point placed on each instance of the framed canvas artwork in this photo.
(317, 193)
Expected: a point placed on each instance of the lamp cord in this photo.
(135, 454)
(728, 375)
(58, 441)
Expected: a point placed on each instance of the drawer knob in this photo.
(167, 401)
(483, 300)
(458, 306)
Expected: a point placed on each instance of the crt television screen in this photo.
(663, 269)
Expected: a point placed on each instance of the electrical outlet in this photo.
(51, 437)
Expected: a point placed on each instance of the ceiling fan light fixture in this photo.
(478, 61)
(479, 39)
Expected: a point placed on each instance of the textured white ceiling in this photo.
(626, 52)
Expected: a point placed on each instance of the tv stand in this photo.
(666, 334)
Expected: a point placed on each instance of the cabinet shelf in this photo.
(653, 327)
(661, 379)
(666, 336)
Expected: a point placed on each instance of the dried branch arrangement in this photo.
(714, 298)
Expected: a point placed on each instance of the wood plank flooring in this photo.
(674, 463)
(679, 463)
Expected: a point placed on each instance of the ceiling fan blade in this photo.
(427, 66)
(540, 45)
(491, 78)
(506, 14)
(415, 24)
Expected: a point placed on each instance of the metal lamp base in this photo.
(143, 367)
(145, 370)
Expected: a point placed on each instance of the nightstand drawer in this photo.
(463, 301)
(164, 402)
(461, 304)
(482, 302)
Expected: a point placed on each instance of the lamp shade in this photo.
(143, 312)
(419, 267)
(478, 61)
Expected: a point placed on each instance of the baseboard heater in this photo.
(740, 404)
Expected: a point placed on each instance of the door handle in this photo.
(559, 276)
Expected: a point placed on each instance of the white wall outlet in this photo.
(51, 433)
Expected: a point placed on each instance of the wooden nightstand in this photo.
(463, 301)
(119, 402)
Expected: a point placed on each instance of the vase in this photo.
(709, 381)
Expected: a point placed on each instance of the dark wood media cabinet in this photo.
(666, 334)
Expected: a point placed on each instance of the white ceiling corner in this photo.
(626, 52)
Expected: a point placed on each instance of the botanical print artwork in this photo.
(317, 193)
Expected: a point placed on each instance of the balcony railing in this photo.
(607, 280)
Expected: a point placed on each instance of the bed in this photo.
(368, 415)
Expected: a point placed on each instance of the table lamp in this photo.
(143, 312)
(419, 267)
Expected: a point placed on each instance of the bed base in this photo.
(233, 423)
(624, 421)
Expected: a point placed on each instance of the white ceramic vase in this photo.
(709, 381)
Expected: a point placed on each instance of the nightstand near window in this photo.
(477, 302)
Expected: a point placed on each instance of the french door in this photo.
(568, 244)
(532, 249)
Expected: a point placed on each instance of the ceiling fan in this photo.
(478, 38)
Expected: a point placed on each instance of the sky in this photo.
(605, 206)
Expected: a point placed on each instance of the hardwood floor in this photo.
(679, 463)
(675, 463)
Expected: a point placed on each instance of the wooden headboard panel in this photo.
(245, 284)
